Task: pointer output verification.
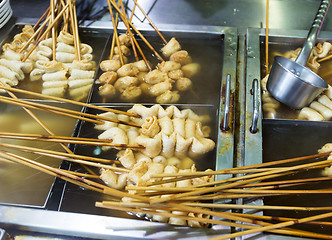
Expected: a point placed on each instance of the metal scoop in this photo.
(291, 82)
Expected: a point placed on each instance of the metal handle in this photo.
(225, 126)
(302, 58)
(255, 111)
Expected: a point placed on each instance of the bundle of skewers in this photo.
(131, 78)
(192, 197)
(51, 52)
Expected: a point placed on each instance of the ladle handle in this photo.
(302, 58)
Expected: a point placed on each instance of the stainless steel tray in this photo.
(117, 227)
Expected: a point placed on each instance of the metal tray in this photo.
(62, 200)
(206, 49)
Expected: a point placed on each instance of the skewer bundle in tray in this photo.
(51, 52)
(134, 79)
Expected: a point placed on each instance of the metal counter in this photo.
(243, 147)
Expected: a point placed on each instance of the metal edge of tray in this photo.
(92, 226)
(253, 141)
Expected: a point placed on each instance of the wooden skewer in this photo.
(280, 219)
(34, 34)
(286, 182)
(150, 21)
(115, 33)
(61, 174)
(262, 207)
(55, 153)
(76, 35)
(325, 58)
(49, 170)
(254, 177)
(52, 6)
(64, 139)
(133, 39)
(275, 226)
(205, 220)
(81, 174)
(72, 25)
(64, 112)
(115, 206)
(113, 38)
(69, 101)
(213, 183)
(41, 18)
(45, 33)
(60, 156)
(267, 38)
(45, 108)
(138, 32)
(232, 170)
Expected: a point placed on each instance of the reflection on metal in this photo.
(225, 124)
(256, 106)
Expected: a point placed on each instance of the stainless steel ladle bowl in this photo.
(290, 82)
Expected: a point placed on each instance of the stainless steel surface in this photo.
(290, 81)
(255, 107)
(225, 122)
(253, 141)
(2, 234)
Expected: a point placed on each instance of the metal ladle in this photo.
(290, 82)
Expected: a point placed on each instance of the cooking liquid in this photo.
(206, 50)
(20, 184)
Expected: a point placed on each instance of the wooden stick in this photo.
(113, 38)
(55, 153)
(204, 220)
(42, 167)
(64, 139)
(59, 155)
(115, 33)
(69, 101)
(52, 6)
(46, 108)
(76, 35)
(281, 219)
(267, 38)
(138, 32)
(41, 18)
(151, 23)
(254, 177)
(34, 34)
(60, 111)
(133, 39)
(325, 58)
(232, 170)
(259, 207)
(286, 182)
(275, 226)
(44, 34)
(81, 174)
